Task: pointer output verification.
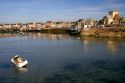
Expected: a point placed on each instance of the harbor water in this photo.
(61, 58)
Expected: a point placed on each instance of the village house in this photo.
(49, 24)
(39, 26)
(1, 26)
(80, 23)
(7, 26)
(31, 26)
(18, 25)
(58, 24)
(15, 26)
(89, 23)
(24, 27)
(66, 25)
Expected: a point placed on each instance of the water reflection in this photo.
(85, 42)
(6, 35)
(46, 36)
(111, 44)
(20, 70)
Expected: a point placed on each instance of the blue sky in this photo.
(14, 11)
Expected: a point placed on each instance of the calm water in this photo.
(62, 59)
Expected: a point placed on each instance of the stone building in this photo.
(17, 26)
(58, 24)
(80, 23)
(66, 25)
(113, 18)
(31, 26)
(89, 23)
(1, 26)
(49, 24)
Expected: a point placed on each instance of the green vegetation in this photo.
(54, 31)
(14, 31)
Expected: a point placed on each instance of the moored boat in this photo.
(74, 31)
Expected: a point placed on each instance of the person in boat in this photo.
(18, 59)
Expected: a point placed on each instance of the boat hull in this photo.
(22, 64)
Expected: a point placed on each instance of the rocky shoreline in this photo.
(118, 32)
(104, 32)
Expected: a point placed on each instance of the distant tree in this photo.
(105, 20)
(105, 17)
(101, 22)
(121, 19)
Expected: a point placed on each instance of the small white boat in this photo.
(18, 61)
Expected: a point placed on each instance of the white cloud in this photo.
(84, 9)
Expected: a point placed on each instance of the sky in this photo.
(23, 11)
